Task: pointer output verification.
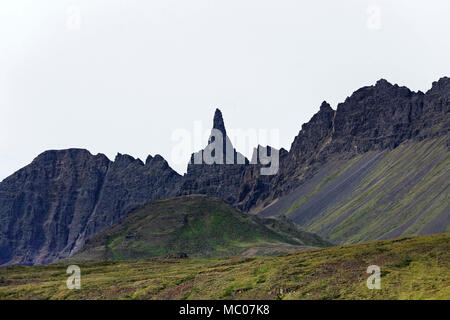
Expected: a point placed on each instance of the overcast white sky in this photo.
(127, 74)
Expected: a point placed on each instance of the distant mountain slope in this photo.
(411, 268)
(376, 195)
(50, 207)
(195, 225)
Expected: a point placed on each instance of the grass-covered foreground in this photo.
(411, 268)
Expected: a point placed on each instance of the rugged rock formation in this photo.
(219, 180)
(378, 117)
(382, 116)
(50, 207)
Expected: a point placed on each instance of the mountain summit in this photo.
(218, 122)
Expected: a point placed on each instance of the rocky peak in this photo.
(230, 155)
(67, 154)
(383, 83)
(443, 82)
(325, 106)
(218, 122)
(384, 115)
(383, 92)
(220, 179)
(314, 131)
(124, 160)
(158, 162)
(159, 158)
(442, 86)
(148, 160)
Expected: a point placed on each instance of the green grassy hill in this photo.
(411, 268)
(199, 226)
(377, 195)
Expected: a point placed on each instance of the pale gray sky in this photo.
(131, 72)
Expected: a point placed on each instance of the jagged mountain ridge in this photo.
(378, 117)
(49, 208)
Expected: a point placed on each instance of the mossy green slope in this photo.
(411, 268)
(406, 193)
(197, 225)
(381, 195)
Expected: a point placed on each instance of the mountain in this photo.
(50, 207)
(376, 167)
(196, 226)
(323, 274)
(373, 118)
(382, 170)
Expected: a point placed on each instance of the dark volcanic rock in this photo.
(39, 204)
(382, 116)
(434, 119)
(218, 122)
(50, 207)
(238, 183)
(307, 145)
(221, 180)
(375, 117)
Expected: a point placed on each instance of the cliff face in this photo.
(382, 116)
(50, 207)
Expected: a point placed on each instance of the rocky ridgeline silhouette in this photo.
(49, 208)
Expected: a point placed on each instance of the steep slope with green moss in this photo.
(377, 195)
(411, 268)
(198, 226)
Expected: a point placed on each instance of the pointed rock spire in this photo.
(218, 122)
(325, 106)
